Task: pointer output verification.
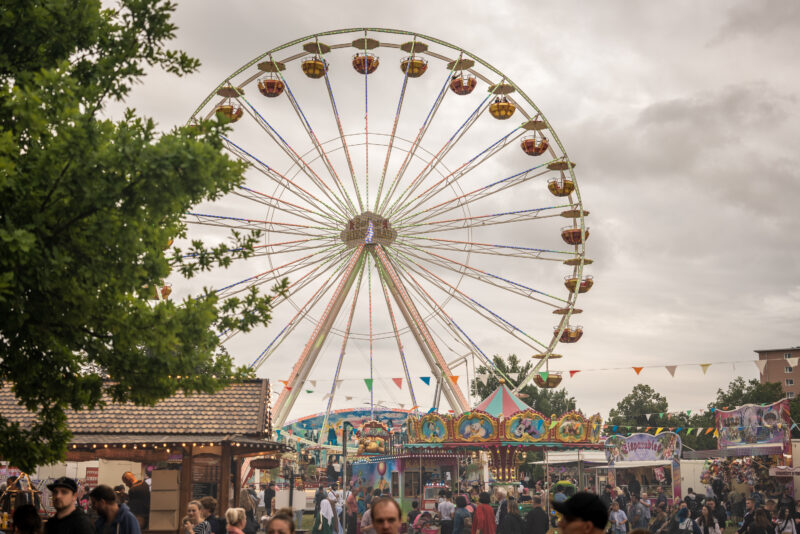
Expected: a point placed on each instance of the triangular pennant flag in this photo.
(348, 398)
(544, 375)
(454, 379)
(658, 430)
(614, 428)
(648, 429)
(313, 383)
(688, 412)
(414, 407)
(284, 382)
(401, 405)
(432, 409)
(716, 433)
(309, 391)
(793, 427)
(339, 383)
(761, 364)
(689, 430)
(553, 424)
(426, 379)
(699, 430)
(398, 382)
(678, 430)
(661, 415)
(514, 376)
(704, 367)
(671, 369)
(638, 369)
(368, 382)
(574, 372)
(709, 429)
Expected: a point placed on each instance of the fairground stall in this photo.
(753, 449)
(502, 428)
(649, 461)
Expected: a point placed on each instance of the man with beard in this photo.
(69, 519)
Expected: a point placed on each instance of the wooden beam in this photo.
(186, 481)
(133, 455)
(223, 493)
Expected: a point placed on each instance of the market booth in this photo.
(651, 460)
(192, 446)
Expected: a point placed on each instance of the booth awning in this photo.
(628, 465)
(766, 449)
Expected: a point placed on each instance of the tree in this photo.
(89, 206)
(547, 401)
(631, 410)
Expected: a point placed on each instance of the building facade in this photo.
(782, 367)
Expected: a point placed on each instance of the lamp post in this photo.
(345, 424)
(288, 473)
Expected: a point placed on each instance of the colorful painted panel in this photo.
(474, 426)
(752, 423)
(528, 426)
(432, 429)
(374, 475)
(571, 428)
(595, 426)
(412, 429)
(373, 438)
(643, 447)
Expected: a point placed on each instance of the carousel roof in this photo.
(502, 402)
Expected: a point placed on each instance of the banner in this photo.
(752, 423)
(643, 447)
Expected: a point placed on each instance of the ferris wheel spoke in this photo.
(282, 180)
(278, 204)
(271, 249)
(317, 145)
(240, 223)
(415, 144)
(452, 325)
(491, 219)
(465, 168)
(510, 251)
(472, 304)
(398, 340)
(332, 393)
(480, 193)
(487, 277)
(343, 138)
(446, 148)
(295, 320)
(312, 175)
(274, 273)
(392, 136)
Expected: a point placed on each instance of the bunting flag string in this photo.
(704, 367)
(426, 379)
(574, 372)
(638, 369)
(398, 382)
(368, 382)
(671, 369)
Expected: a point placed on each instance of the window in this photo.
(790, 394)
(787, 355)
(787, 369)
(411, 484)
(789, 382)
(395, 484)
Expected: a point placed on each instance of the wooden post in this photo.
(224, 479)
(186, 480)
(237, 482)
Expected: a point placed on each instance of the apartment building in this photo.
(782, 367)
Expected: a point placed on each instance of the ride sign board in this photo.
(753, 423)
(666, 446)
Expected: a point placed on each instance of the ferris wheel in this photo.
(421, 205)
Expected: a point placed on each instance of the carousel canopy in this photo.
(502, 402)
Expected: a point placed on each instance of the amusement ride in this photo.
(420, 204)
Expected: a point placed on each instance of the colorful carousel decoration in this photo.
(504, 426)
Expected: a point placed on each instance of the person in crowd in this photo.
(282, 522)
(536, 518)
(525, 496)
(692, 501)
(684, 522)
(618, 519)
(484, 519)
(366, 519)
(559, 495)
(502, 506)
(461, 517)
(26, 520)
(638, 514)
(607, 496)
(208, 505)
(318, 496)
(797, 517)
(761, 523)
(261, 509)
(69, 519)
(719, 512)
(634, 486)
(583, 513)
(769, 507)
(269, 498)
(248, 503)
(236, 519)
(386, 516)
(112, 517)
(326, 522)
(786, 501)
(660, 521)
(512, 522)
(661, 497)
(196, 524)
(749, 515)
(138, 498)
(446, 510)
(351, 512)
(413, 513)
(707, 523)
(785, 523)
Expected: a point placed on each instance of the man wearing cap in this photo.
(69, 519)
(583, 513)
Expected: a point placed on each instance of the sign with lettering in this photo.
(92, 474)
(643, 447)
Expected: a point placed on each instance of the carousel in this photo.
(504, 427)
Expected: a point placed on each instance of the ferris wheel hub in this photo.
(368, 229)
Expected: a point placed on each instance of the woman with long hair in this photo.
(196, 524)
(707, 522)
(785, 523)
(512, 522)
(761, 523)
(281, 523)
(483, 522)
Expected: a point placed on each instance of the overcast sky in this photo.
(682, 119)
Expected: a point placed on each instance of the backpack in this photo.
(466, 528)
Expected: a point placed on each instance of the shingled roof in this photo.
(241, 409)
